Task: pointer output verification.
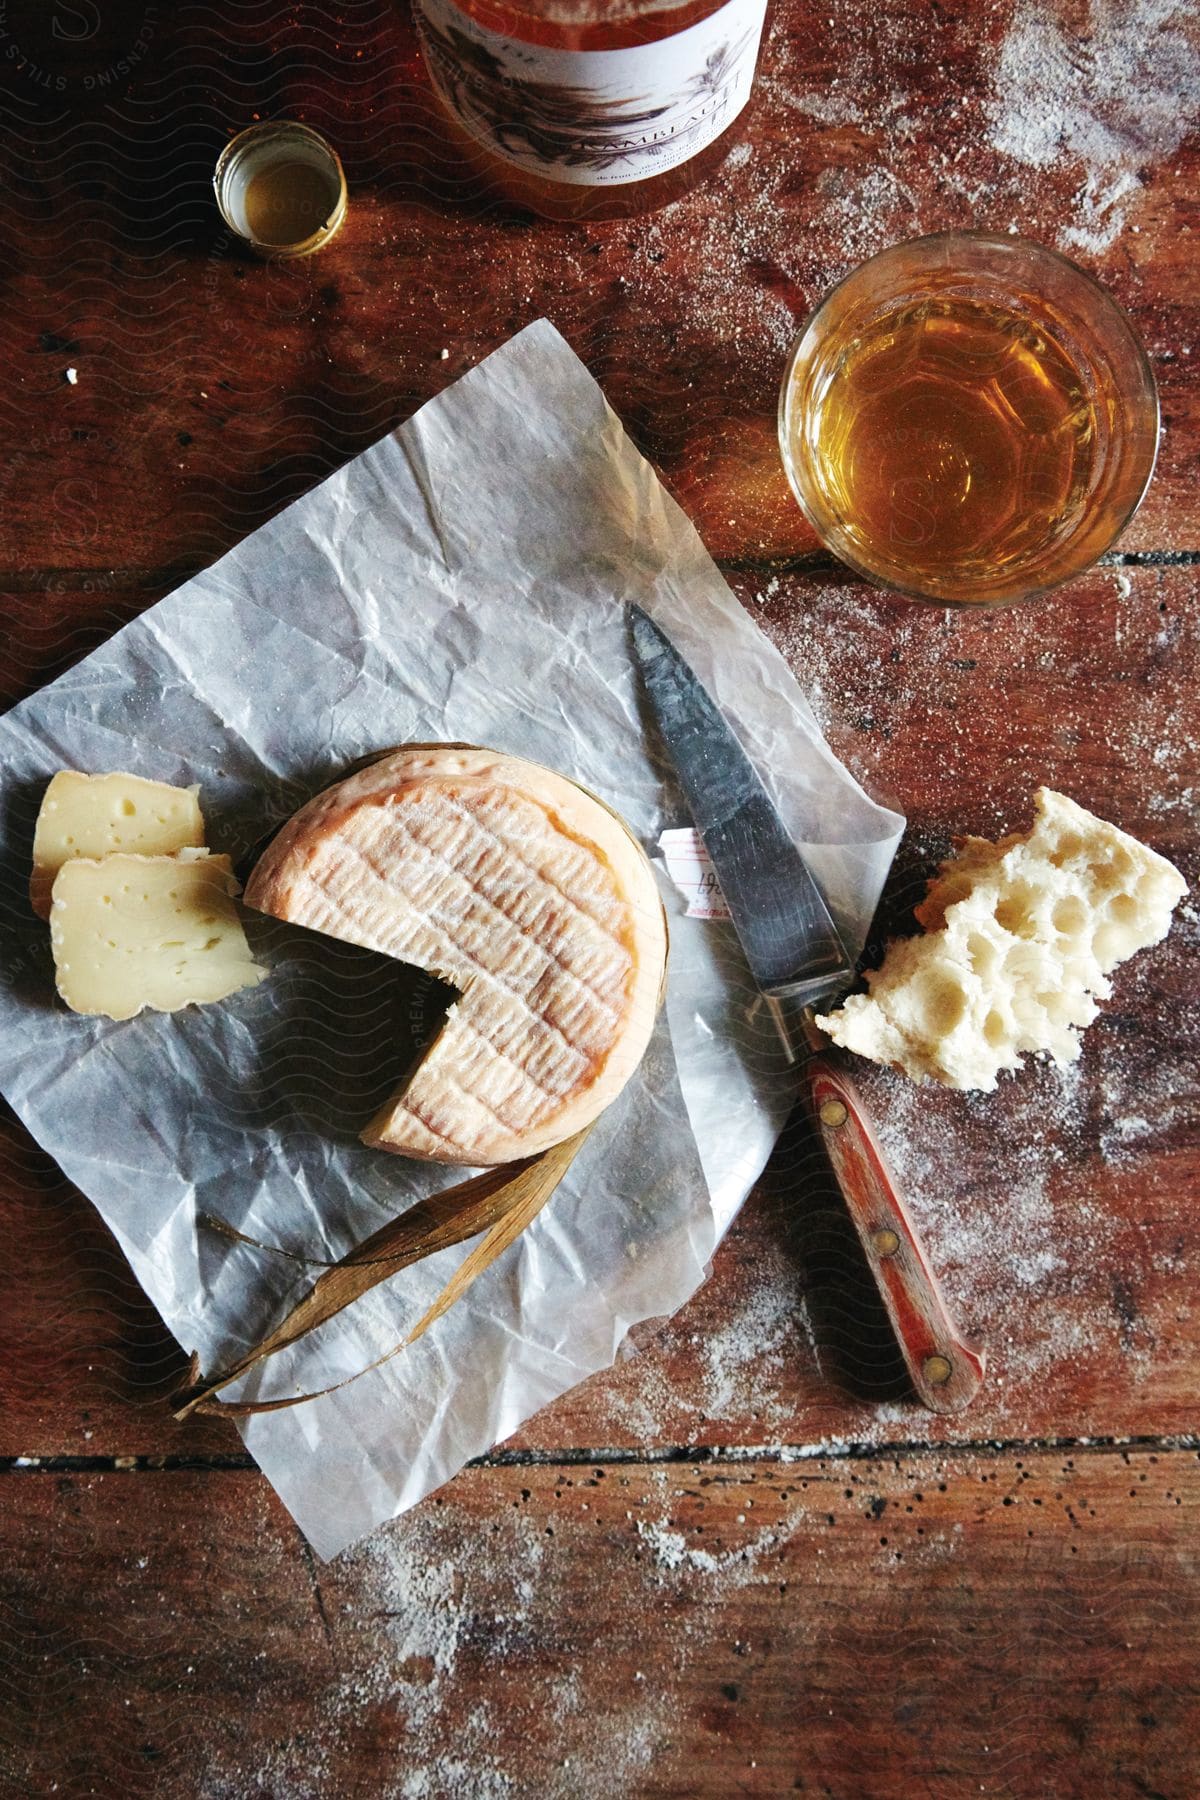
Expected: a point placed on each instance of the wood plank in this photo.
(961, 715)
(211, 389)
(933, 1625)
(1058, 1209)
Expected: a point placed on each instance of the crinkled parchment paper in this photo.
(464, 579)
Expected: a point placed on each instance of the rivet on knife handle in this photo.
(945, 1372)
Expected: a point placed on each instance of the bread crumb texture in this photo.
(1020, 939)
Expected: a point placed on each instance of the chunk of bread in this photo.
(98, 815)
(1021, 937)
(518, 888)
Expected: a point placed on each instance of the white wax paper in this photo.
(464, 579)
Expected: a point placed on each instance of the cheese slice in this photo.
(131, 932)
(96, 815)
(523, 892)
(1020, 939)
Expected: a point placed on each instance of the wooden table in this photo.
(712, 1571)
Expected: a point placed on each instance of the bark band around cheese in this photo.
(518, 888)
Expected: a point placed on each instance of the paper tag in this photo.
(689, 867)
(593, 118)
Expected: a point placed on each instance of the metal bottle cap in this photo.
(280, 186)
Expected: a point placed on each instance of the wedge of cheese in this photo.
(523, 892)
(159, 932)
(97, 815)
(1021, 937)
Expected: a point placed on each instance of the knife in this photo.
(797, 958)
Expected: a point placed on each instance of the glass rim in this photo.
(1034, 251)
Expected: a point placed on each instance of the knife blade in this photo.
(790, 940)
(796, 956)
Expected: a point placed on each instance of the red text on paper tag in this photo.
(693, 874)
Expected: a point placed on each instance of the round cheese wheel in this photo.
(521, 890)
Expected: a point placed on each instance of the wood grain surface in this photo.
(709, 1607)
(924, 1624)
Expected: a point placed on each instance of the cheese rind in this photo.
(1021, 937)
(157, 932)
(100, 815)
(518, 888)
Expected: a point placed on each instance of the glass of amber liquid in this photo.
(968, 419)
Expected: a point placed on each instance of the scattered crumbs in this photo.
(829, 104)
(1005, 1230)
(1106, 102)
(869, 668)
(746, 1358)
(432, 1611)
(790, 1453)
(740, 286)
(669, 1547)
(736, 1565)
(739, 1365)
(851, 648)
(866, 213)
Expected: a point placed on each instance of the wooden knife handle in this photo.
(945, 1372)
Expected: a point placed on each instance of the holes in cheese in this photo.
(1021, 937)
(100, 815)
(525, 894)
(137, 932)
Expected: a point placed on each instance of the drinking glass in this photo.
(968, 419)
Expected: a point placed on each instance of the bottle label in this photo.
(594, 118)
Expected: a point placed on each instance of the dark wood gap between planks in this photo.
(818, 562)
(109, 580)
(634, 1456)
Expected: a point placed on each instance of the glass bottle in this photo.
(591, 108)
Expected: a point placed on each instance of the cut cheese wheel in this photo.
(523, 892)
(98, 815)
